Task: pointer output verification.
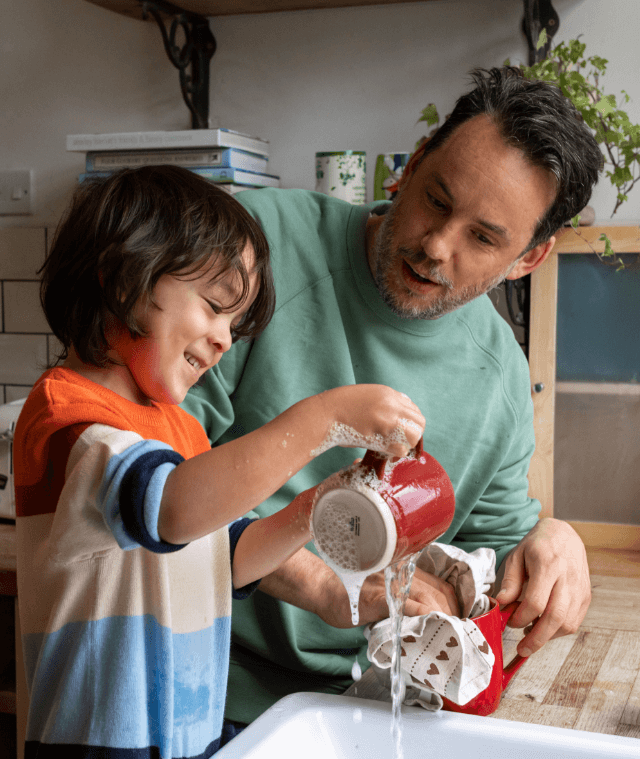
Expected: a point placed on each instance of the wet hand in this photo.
(376, 417)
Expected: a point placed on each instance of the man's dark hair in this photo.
(121, 234)
(537, 119)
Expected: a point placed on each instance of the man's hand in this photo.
(548, 572)
(306, 581)
(428, 593)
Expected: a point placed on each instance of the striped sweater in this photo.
(126, 637)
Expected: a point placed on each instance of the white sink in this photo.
(319, 726)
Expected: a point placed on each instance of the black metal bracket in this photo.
(520, 291)
(192, 59)
(539, 15)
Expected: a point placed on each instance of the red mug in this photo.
(379, 511)
(492, 624)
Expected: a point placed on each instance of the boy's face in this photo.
(188, 332)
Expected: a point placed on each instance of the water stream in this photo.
(397, 579)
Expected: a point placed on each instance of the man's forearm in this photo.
(302, 581)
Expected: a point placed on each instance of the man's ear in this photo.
(532, 259)
(412, 164)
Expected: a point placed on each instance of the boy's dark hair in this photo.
(121, 234)
(537, 119)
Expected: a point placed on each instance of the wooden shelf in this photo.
(624, 239)
(133, 8)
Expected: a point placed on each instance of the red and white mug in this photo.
(377, 512)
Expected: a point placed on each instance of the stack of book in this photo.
(231, 159)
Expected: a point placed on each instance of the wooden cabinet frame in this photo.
(542, 362)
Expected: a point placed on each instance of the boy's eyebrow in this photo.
(234, 291)
(495, 228)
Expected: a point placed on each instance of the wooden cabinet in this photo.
(542, 359)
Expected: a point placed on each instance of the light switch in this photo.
(15, 192)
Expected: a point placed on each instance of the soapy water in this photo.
(336, 544)
(397, 579)
(334, 538)
(343, 435)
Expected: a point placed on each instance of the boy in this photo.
(130, 544)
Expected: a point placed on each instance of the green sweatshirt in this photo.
(465, 371)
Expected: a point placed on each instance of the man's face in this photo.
(459, 223)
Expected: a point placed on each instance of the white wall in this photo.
(353, 78)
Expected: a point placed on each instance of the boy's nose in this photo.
(221, 337)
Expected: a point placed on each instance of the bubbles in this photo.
(334, 537)
(342, 434)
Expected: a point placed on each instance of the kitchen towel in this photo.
(442, 655)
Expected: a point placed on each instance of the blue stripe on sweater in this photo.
(131, 491)
(128, 683)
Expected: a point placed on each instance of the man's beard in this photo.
(384, 259)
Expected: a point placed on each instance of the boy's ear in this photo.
(532, 259)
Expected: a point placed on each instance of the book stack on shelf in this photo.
(231, 159)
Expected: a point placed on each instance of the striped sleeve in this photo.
(129, 474)
(235, 531)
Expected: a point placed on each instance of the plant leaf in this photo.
(430, 115)
(542, 39)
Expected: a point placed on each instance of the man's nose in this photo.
(438, 243)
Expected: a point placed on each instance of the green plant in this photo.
(579, 78)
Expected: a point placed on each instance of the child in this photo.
(130, 541)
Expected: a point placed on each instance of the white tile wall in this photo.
(22, 310)
(22, 252)
(25, 342)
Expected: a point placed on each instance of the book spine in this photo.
(190, 138)
(225, 157)
(216, 175)
(238, 176)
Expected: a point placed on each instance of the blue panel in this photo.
(598, 320)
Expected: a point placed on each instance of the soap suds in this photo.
(342, 434)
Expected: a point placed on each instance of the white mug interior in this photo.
(372, 528)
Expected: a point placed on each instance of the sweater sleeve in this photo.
(235, 531)
(124, 476)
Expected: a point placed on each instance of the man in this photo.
(398, 298)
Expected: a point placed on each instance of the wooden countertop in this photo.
(586, 681)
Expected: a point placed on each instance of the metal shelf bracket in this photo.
(192, 59)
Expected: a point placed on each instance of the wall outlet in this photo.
(15, 192)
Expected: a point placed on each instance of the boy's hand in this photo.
(374, 416)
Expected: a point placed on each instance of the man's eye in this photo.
(436, 203)
(481, 238)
